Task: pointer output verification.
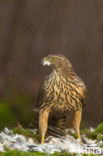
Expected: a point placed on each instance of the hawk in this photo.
(61, 92)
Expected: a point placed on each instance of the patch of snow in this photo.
(33, 130)
(51, 145)
(91, 129)
(1, 147)
(71, 130)
(100, 143)
(7, 131)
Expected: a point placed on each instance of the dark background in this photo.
(31, 29)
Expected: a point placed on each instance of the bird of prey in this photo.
(61, 92)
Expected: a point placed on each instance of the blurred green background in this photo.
(30, 30)
(16, 111)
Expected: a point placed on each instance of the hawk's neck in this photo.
(63, 75)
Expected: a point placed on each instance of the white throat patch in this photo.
(46, 63)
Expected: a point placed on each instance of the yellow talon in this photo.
(78, 134)
(42, 140)
(79, 137)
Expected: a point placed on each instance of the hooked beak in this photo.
(45, 61)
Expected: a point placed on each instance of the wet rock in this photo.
(19, 140)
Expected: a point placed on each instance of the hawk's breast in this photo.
(61, 94)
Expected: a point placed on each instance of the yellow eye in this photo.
(54, 58)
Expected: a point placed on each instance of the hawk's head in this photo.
(58, 62)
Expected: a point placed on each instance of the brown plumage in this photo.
(62, 92)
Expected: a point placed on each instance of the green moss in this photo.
(92, 135)
(74, 135)
(101, 145)
(90, 155)
(85, 131)
(27, 133)
(99, 137)
(20, 153)
(96, 134)
(99, 129)
(89, 134)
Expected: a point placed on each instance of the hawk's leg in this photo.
(76, 121)
(43, 123)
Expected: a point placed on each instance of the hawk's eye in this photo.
(54, 58)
